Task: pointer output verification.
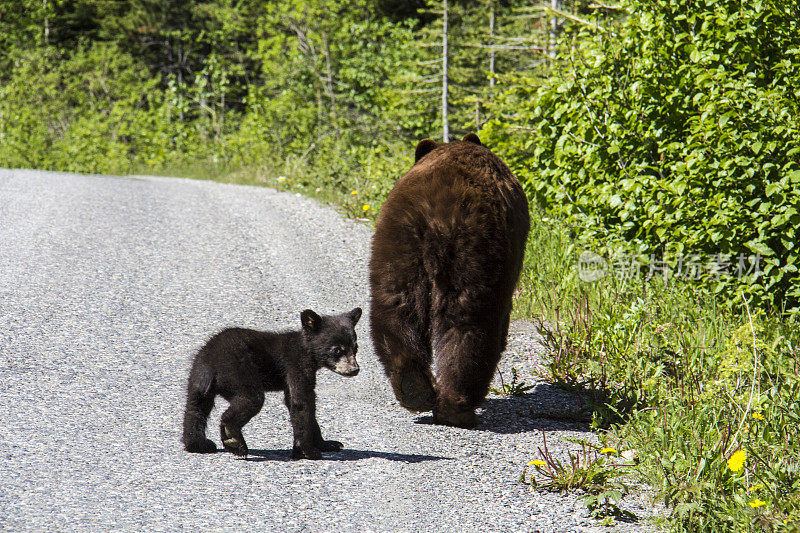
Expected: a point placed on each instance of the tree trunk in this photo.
(491, 50)
(556, 5)
(330, 89)
(445, 126)
(46, 24)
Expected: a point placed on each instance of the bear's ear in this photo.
(354, 315)
(472, 138)
(423, 148)
(311, 320)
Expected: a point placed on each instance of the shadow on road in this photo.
(545, 408)
(344, 455)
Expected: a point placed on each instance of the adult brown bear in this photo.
(446, 257)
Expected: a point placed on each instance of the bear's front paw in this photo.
(310, 453)
(330, 446)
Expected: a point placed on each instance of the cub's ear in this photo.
(423, 148)
(311, 320)
(472, 138)
(354, 315)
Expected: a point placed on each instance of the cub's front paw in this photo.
(203, 446)
(311, 453)
(330, 446)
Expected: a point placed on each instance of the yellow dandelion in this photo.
(756, 487)
(536, 462)
(608, 450)
(365, 207)
(757, 503)
(736, 461)
(353, 192)
(758, 416)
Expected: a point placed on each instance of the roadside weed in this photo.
(517, 387)
(598, 474)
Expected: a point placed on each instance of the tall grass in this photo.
(685, 382)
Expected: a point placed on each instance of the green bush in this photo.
(92, 111)
(675, 135)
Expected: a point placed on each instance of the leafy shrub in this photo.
(676, 134)
(93, 110)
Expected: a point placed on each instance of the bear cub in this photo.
(242, 364)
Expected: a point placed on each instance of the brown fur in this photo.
(446, 257)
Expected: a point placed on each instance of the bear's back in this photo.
(456, 185)
(457, 215)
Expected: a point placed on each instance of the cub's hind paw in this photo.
(330, 446)
(235, 446)
(203, 446)
(233, 440)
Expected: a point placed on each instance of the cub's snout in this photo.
(346, 366)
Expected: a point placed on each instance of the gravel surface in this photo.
(108, 285)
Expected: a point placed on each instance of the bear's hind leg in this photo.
(241, 409)
(198, 407)
(467, 358)
(407, 361)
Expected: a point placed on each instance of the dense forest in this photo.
(662, 136)
(105, 85)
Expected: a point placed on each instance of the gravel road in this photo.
(108, 285)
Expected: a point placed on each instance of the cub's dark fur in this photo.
(241, 364)
(446, 256)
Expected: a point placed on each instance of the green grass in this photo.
(679, 378)
(355, 180)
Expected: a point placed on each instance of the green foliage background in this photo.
(328, 95)
(668, 130)
(672, 134)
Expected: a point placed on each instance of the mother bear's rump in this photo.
(446, 256)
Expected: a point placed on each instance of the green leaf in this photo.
(759, 248)
(772, 188)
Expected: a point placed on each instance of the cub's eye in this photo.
(337, 350)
